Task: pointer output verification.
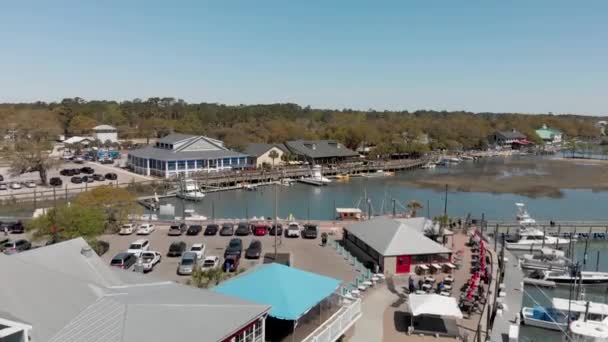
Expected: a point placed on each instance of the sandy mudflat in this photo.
(524, 176)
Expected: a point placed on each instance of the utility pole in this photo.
(394, 208)
(586, 246)
(445, 203)
(275, 221)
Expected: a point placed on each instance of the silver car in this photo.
(187, 264)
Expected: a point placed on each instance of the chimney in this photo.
(86, 251)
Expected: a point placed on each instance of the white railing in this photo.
(337, 324)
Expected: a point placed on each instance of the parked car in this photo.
(98, 177)
(260, 229)
(106, 161)
(16, 227)
(235, 246)
(242, 229)
(16, 246)
(149, 259)
(138, 246)
(254, 251)
(75, 172)
(194, 229)
(293, 230)
(123, 260)
(88, 170)
(1, 178)
(276, 229)
(66, 172)
(199, 249)
(76, 180)
(88, 179)
(55, 181)
(187, 264)
(231, 263)
(127, 229)
(177, 248)
(78, 160)
(111, 176)
(311, 231)
(210, 262)
(211, 229)
(3, 186)
(29, 184)
(145, 229)
(15, 185)
(227, 229)
(177, 229)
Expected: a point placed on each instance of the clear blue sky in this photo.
(501, 56)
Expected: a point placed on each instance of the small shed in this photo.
(348, 214)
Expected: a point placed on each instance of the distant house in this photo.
(320, 151)
(182, 154)
(79, 140)
(549, 135)
(259, 154)
(508, 139)
(104, 133)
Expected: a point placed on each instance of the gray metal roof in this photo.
(67, 296)
(257, 149)
(513, 134)
(103, 127)
(175, 137)
(319, 148)
(391, 237)
(150, 152)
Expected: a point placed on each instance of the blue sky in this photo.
(501, 56)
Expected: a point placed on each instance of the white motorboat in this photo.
(547, 259)
(191, 215)
(317, 175)
(190, 191)
(429, 166)
(587, 331)
(585, 278)
(531, 239)
(523, 217)
(545, 318)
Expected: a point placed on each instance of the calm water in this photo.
(305, 201)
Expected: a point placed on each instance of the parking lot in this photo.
(306, 254)
(123, 177)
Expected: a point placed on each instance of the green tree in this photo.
(81, 124)
(117, 203)
(413, 206)
(68, 222)
(31, 157)
(273, 155)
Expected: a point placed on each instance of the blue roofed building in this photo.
(182, 154)
(298, 299)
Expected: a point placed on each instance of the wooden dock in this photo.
(595, 229)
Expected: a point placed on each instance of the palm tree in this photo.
(413, 207)
(273, 155)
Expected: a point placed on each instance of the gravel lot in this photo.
(307, 254)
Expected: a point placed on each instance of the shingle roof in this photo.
(175, 137)
(67, 296)
(164, 154)
(294, 291)
(257, 149)
(319, 148)
(513, 134)
(396, 237)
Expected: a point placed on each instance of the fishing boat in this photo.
(587, 331)
(249, 187)
(379, 173)
(523, 217)
(429, 165)
(191, 215)
(545, 318)
(585, 278)
(547, 259)
(317, 175)
(531, 239)
(189, 190)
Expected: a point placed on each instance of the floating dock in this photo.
(540, 282)
(311, 182)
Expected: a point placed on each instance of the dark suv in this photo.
(242, 229)
(211, 229)
(177, 248)
(177, 229)
(235, 247)
(194, 229)
(55, 181)
(310, 231)
(123, 260)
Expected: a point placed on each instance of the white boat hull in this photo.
(516, 246)
(527, 316)
(198, 196)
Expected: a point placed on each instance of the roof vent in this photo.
(86, 251)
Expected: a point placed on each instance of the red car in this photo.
(260, 229)
(231, 263)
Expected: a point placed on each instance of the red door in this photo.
(403, 264)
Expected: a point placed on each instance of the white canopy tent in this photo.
(434, 304)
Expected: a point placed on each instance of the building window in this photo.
(191, 164)
(242, 161)
(212, 163)
(171, 165)
(249, 334)
(234, 161)
(181, 164)
(226, 161)
(200, 164)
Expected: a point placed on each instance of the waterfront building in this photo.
(84, 141)
(395, 245)
(105, 133)
(508, 139)
(183, 154)
(549, 135)
(81, 298)
(259, 154)
(320, 151)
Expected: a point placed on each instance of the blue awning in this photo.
(290, 292)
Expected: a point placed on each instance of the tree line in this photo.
(388, 131)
